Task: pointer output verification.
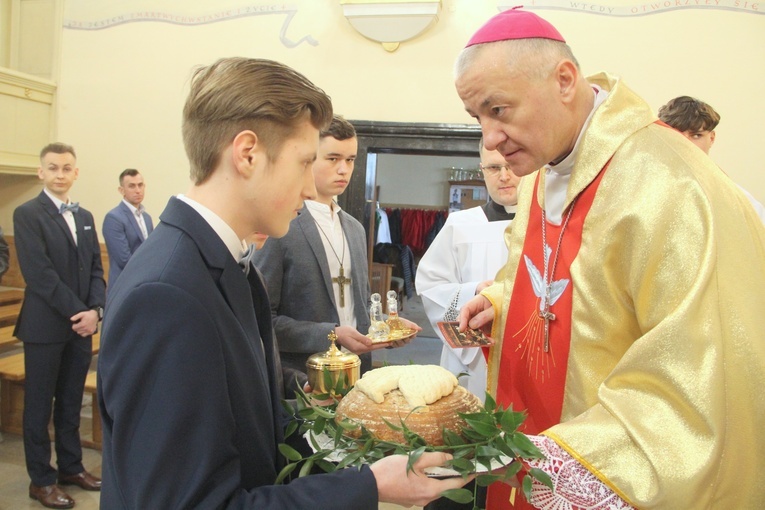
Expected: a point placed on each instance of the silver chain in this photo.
(548, 281)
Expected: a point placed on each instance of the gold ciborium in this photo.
(334, 369)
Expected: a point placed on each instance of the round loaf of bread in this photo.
(428, 421)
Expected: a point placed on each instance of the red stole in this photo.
(528, 377)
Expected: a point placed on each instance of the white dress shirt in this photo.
(336, 247)
(138, 213)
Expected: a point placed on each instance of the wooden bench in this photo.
(11, 296)
(6, 337)
(94, 441)
(12, 375)
(9, 314)
(379, 281)
(12, 393)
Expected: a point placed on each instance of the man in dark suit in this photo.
(60, 260)
(188, 394)
(127, 225)
(317, 275)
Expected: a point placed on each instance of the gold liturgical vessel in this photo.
(338, 364)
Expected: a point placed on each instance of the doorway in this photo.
(411, 147)
(402, 138)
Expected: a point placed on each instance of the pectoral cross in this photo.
(342, 281)
(548, 316)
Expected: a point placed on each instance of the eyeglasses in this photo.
(494, 170)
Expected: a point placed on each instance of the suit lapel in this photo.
(132, 220)
(238, 292)
(232, 282)
(358, 262)
(313, 237)
(79, 227)
(50, 208)
(149, 225)
(265, 328)
(235, 289)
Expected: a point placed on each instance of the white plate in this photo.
(441, 472)
(326, 443)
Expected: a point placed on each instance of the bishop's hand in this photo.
(477, 314)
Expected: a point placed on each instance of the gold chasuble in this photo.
(654, 374)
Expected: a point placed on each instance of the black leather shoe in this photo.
(84, 480)
(50, 496)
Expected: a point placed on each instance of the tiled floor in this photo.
(14, 482)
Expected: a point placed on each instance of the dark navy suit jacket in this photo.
(123, 237)
(187, 388)
(62, 278)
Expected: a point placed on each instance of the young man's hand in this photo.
(85, 323)
(396, 485)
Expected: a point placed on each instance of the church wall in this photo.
(122, 83)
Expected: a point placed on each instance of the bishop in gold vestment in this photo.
(630, 318)
(663, 397)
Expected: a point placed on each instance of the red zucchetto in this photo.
(515, 24)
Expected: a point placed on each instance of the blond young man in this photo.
(189, 394)
(60, 260)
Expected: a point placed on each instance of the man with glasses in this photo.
(462, 261)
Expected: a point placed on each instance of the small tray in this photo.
(404, 334)
(438, 472)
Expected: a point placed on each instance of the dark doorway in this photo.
(402, 138)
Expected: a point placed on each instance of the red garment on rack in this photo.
(415, 225)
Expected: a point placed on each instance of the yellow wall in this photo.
(121, 88)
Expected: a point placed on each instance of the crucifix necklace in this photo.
(545, 313)
(340, 280)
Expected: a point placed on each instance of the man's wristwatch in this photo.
(99, 311)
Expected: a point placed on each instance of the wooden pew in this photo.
(9, 314)
(6, 337)
(94, 441)
(12, 375)
(11, 296)
(12, 393)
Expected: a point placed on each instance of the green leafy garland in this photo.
(491, 434)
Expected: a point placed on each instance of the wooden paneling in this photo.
(26, 104)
